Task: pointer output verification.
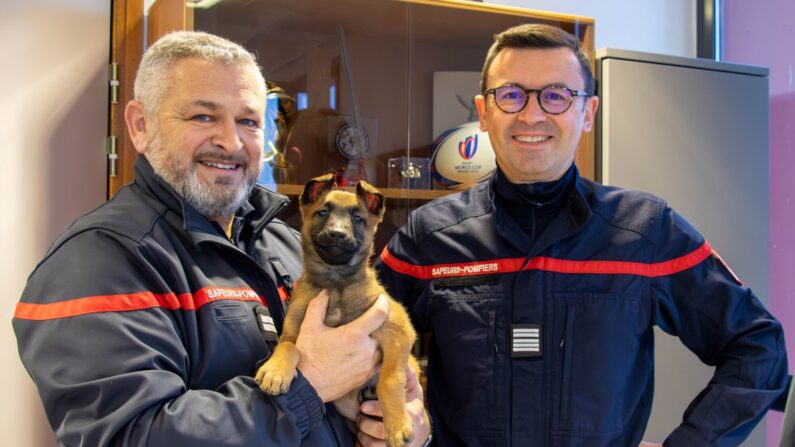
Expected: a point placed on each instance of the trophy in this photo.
(281, 114)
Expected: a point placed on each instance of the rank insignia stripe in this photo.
(526, 340)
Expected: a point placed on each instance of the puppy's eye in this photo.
(357, 219)
(321, 212)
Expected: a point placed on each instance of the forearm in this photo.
(723, 416)
(237, 414)
(155, 409)
(135, 388)
(727, 327)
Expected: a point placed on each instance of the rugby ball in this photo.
(462, 156)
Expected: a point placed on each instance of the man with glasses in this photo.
(541, 288)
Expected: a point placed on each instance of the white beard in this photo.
(211, 200)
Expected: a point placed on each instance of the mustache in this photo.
(220, 155)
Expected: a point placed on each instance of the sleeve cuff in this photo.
(685, 436)
(305, 404)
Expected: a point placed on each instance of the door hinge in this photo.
(114, 83)
(113, 155)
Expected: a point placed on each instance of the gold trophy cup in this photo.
(281, 113)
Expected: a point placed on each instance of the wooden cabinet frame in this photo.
(166, 15)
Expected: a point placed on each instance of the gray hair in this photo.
(150, 88)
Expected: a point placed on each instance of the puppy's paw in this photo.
(399, 435)
(274, 378)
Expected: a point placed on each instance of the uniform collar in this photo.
(250, 219)
(539, 195)
(572, 218)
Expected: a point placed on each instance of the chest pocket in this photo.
(230, 343)
(602, 363)
(466, 314)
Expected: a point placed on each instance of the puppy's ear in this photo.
(372, 198)
(315, 188)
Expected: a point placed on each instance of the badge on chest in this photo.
(266, 324)
(526, 340)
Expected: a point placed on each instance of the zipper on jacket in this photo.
(333, 430)
(491, 352)
(567, 349)
(282, 275)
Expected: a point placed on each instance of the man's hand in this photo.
(338, 360)
(649, 444)
(371, 427)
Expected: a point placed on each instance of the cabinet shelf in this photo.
(389, 193)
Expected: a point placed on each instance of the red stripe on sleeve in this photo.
(403, 267)
(510, 265)
(133, 301)
(622, 267)
(107, 303)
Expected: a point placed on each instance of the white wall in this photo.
(653, 26)
(53, 116)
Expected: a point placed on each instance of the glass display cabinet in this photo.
(365, 86)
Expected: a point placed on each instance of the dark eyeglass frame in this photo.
(528, 91)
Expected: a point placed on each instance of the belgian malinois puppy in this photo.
(337, 239)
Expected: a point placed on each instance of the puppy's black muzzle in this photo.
(335, 246)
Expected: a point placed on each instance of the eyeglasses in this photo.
(553, 99)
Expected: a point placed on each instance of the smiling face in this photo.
(338, 226)
(532, 145)
(207, 138)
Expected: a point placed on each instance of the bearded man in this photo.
(144, 323)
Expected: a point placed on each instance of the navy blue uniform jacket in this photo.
(141, 327)
(610, 267)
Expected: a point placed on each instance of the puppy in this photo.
(337, 239)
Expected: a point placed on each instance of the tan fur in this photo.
(351, 292)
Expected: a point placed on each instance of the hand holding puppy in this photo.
(338, 360)
(370, 427)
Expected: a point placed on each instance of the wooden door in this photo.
(127, 47)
